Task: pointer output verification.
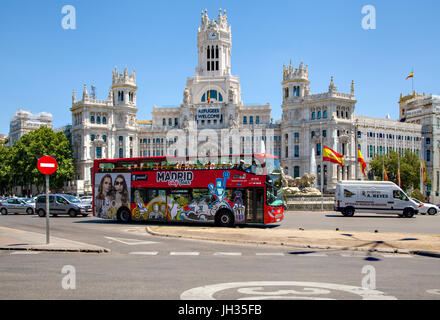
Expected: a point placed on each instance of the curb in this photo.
(433, 254)
(84, 250)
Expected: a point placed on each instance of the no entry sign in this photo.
(47, 165)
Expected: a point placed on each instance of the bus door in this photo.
(255, 205)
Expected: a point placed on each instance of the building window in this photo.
(104, 138)
(104, 120)
(244, 120)
(428, 155)
(121, 138)
(287, 152)
(121, 153)
(176, 121)
(318, 149)
(98, 120)
(251, 120)
(98, 152)
(324, 114)
(257, 120)
(296, 151)
(92, 137)
(313, 115)
(170, 122)
(286, 92)
(428, 140)
(296, 172)
(319, 114)
(92, 119)
(324, 133)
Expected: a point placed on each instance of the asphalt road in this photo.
(141, 266)
(330, 220)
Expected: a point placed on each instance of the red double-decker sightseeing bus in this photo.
(189, 190)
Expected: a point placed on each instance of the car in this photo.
(427, 208)
(15, 205)
(62, 204)
(86, 199)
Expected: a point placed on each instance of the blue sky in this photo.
(41, 63)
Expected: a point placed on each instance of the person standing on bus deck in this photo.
(103, 199)
(120, 192)
(241, 165)
(252, 168)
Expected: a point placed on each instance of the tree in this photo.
(409, 168)
(24, 156)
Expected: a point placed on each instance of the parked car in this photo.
(86, 199)
(31, 201)
(15, 205)
(382, 197)
(62, 204)
(427, 208)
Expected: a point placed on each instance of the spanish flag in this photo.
(332, 156)
(411, 75)
(362, 162)
(423, 171)
(385, 176)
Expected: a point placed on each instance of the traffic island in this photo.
(407, 243)
(20, 240)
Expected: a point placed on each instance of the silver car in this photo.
(15, 205)
(62, 204)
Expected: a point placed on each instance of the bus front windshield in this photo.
(274, 185)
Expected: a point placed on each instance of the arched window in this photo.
(104, 138)
(244, 120)
(313, 115)
(319, 114)
(324, 114)
(212, 96)
(92, 137)
(216, 52)
(104, 120)
(121, 138)
(92, 119)
(98, 119)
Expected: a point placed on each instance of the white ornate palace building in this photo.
(110, 128)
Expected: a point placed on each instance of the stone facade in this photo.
(110, 129)
(425, 111)
(25, 122)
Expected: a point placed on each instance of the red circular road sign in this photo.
(47, 165)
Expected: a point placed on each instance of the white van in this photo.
(382, 197)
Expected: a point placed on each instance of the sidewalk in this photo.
(13, 239)
(420, 244)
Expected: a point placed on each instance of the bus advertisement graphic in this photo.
(112, 191)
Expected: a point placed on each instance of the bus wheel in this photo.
(224, 218)
(348, 212)
(124, 215)
(408, 213)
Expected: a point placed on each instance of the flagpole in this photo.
(412, 80)
(322, 168)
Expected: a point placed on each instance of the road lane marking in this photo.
(130, 242)
(260, 290)
(227, 253)
(184, 253)
(145, 253)
(269, 254)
